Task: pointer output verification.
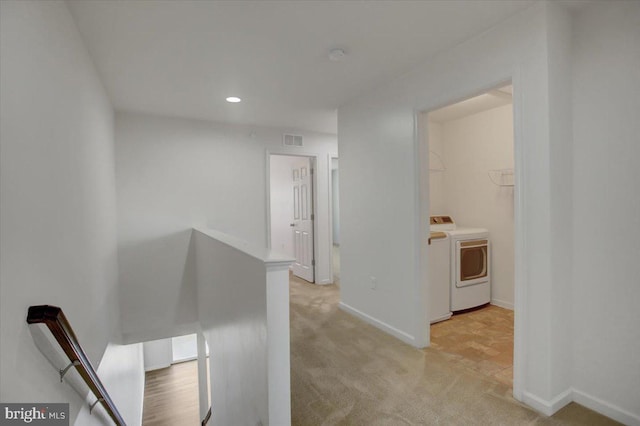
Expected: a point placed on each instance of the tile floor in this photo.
(481, 340)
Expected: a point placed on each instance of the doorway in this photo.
(292, 211)
(471, 180)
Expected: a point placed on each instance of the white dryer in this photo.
(470, 263)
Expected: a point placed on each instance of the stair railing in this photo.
(55, 320)
(206, 418)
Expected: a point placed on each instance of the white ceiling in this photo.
(182, 58)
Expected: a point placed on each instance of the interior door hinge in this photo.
(311, 171)
(313, 262)
(313, 216)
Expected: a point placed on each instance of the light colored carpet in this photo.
(346, 372)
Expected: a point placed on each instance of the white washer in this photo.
(470, 263)
(439, 277)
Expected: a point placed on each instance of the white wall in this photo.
(122, 373)
(157, 354)
(57, 196)
(606, 212)
(243, 308)
(281, 194)
(471, 147)
(173, 174)
(385, 236)
(184, 348)
(575, 313)
(437, 166)
(559, 28)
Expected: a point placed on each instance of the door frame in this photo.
(330, 158)
(313, 159)
(421, 150)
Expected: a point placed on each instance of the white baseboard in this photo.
(407, 338)
(186, 359)
(548, 408)
(160, 366)
(605, 408)
(502, 304)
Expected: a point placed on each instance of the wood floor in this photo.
(481, 340)
(171, 396)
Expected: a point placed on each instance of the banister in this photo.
(206, 418)
(55, 320)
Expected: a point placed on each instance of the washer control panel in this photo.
(441, 220)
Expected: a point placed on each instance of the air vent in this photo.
(292, 140)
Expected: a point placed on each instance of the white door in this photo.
(302, 225)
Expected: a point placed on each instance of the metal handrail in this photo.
(55, 320)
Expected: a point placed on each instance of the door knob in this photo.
(292, 224)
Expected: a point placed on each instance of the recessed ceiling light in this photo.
(336, 55)
(233, 99)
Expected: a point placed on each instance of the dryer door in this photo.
(472, 262)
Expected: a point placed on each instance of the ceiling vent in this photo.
(292, 140)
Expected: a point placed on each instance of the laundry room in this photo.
(471, 249)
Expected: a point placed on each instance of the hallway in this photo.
(346, 372)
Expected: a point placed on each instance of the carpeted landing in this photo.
(346, 372)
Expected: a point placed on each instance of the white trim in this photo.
(520, 284)
(606, 408)
(422, 326)
(407, 338)
(548, 408)
(158, 366)
(313, 158)
(185, 359)
(330, 158)
(143, 379)
(520, 220)
(502, 304)
(204, 398)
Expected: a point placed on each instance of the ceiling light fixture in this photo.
(233, 99)
(336, 55)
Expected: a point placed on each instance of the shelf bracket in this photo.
(64, 370)
(94, 404)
